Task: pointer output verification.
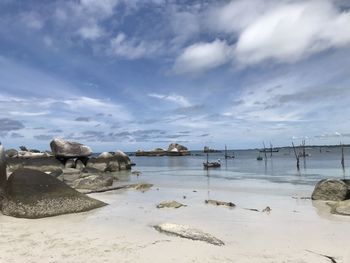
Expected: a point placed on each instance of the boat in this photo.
(259, 158)
(229, 156)
(208, 165)
(269, 150)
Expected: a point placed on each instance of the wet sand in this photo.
(122, 231)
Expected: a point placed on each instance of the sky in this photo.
(140, 74)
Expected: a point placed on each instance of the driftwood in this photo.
(332, 259)
(106, 189)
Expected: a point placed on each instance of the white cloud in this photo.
(178, 99)
(203, 56)
(91, 32)
(133, 48)
(282, 31)
(32, 20)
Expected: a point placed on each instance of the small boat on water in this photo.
(259, 158)
(208, 164)
(211, 165)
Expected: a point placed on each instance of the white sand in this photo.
(122, 232)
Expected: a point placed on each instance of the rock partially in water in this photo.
(340, 208)
(34, 194)
(216, 202)
(93, 182)
(330, 190)
(170, 204)
(188, 232)
(97, 164)
(67, 149)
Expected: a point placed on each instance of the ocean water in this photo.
(280, 168)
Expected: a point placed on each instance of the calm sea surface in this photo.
(280, 168)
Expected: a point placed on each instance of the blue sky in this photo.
(133, 74)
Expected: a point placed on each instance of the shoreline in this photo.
(122, 231)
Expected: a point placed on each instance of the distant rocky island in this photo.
(174, 149)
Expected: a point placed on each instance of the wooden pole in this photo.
(296, 156)
(265, 150)
(342, 155)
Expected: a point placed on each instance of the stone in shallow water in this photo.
(93, 182)
(330, 190)
(170, 204)
(34, 194)
(188, 232)
(340, 208)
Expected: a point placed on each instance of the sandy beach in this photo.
(296, 230)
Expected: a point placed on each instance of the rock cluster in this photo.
(174, 149)
(42, 184)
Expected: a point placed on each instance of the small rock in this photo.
(267, 210)
(188, 232)
(11, 153)
(215, 202)
(143, 187)
(93, 182)
(170, 204)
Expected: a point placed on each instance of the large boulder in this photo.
(66, 149)
(93, 182)
(118, 161)
(34, 194)
(176, 147)
(330, 190)
(44, 164)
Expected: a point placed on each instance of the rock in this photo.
(93, 182)
(56, 173)
(23, 148)
(79, 165)
(11, 153)
(34, 151)
(340, 208)
(215, 202)
(44, 164)
(170, 204)
(112, 164)
(143, 187)
(98, 164)
(67, 149)
(188, 232)
(330, 190)
(177, 146)
(71, 174)
(34, 194)
(3, 173)
(267, 210)
(90, 170)
(137, 173)
(31, 155)
(70, 163)
(105, 155)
